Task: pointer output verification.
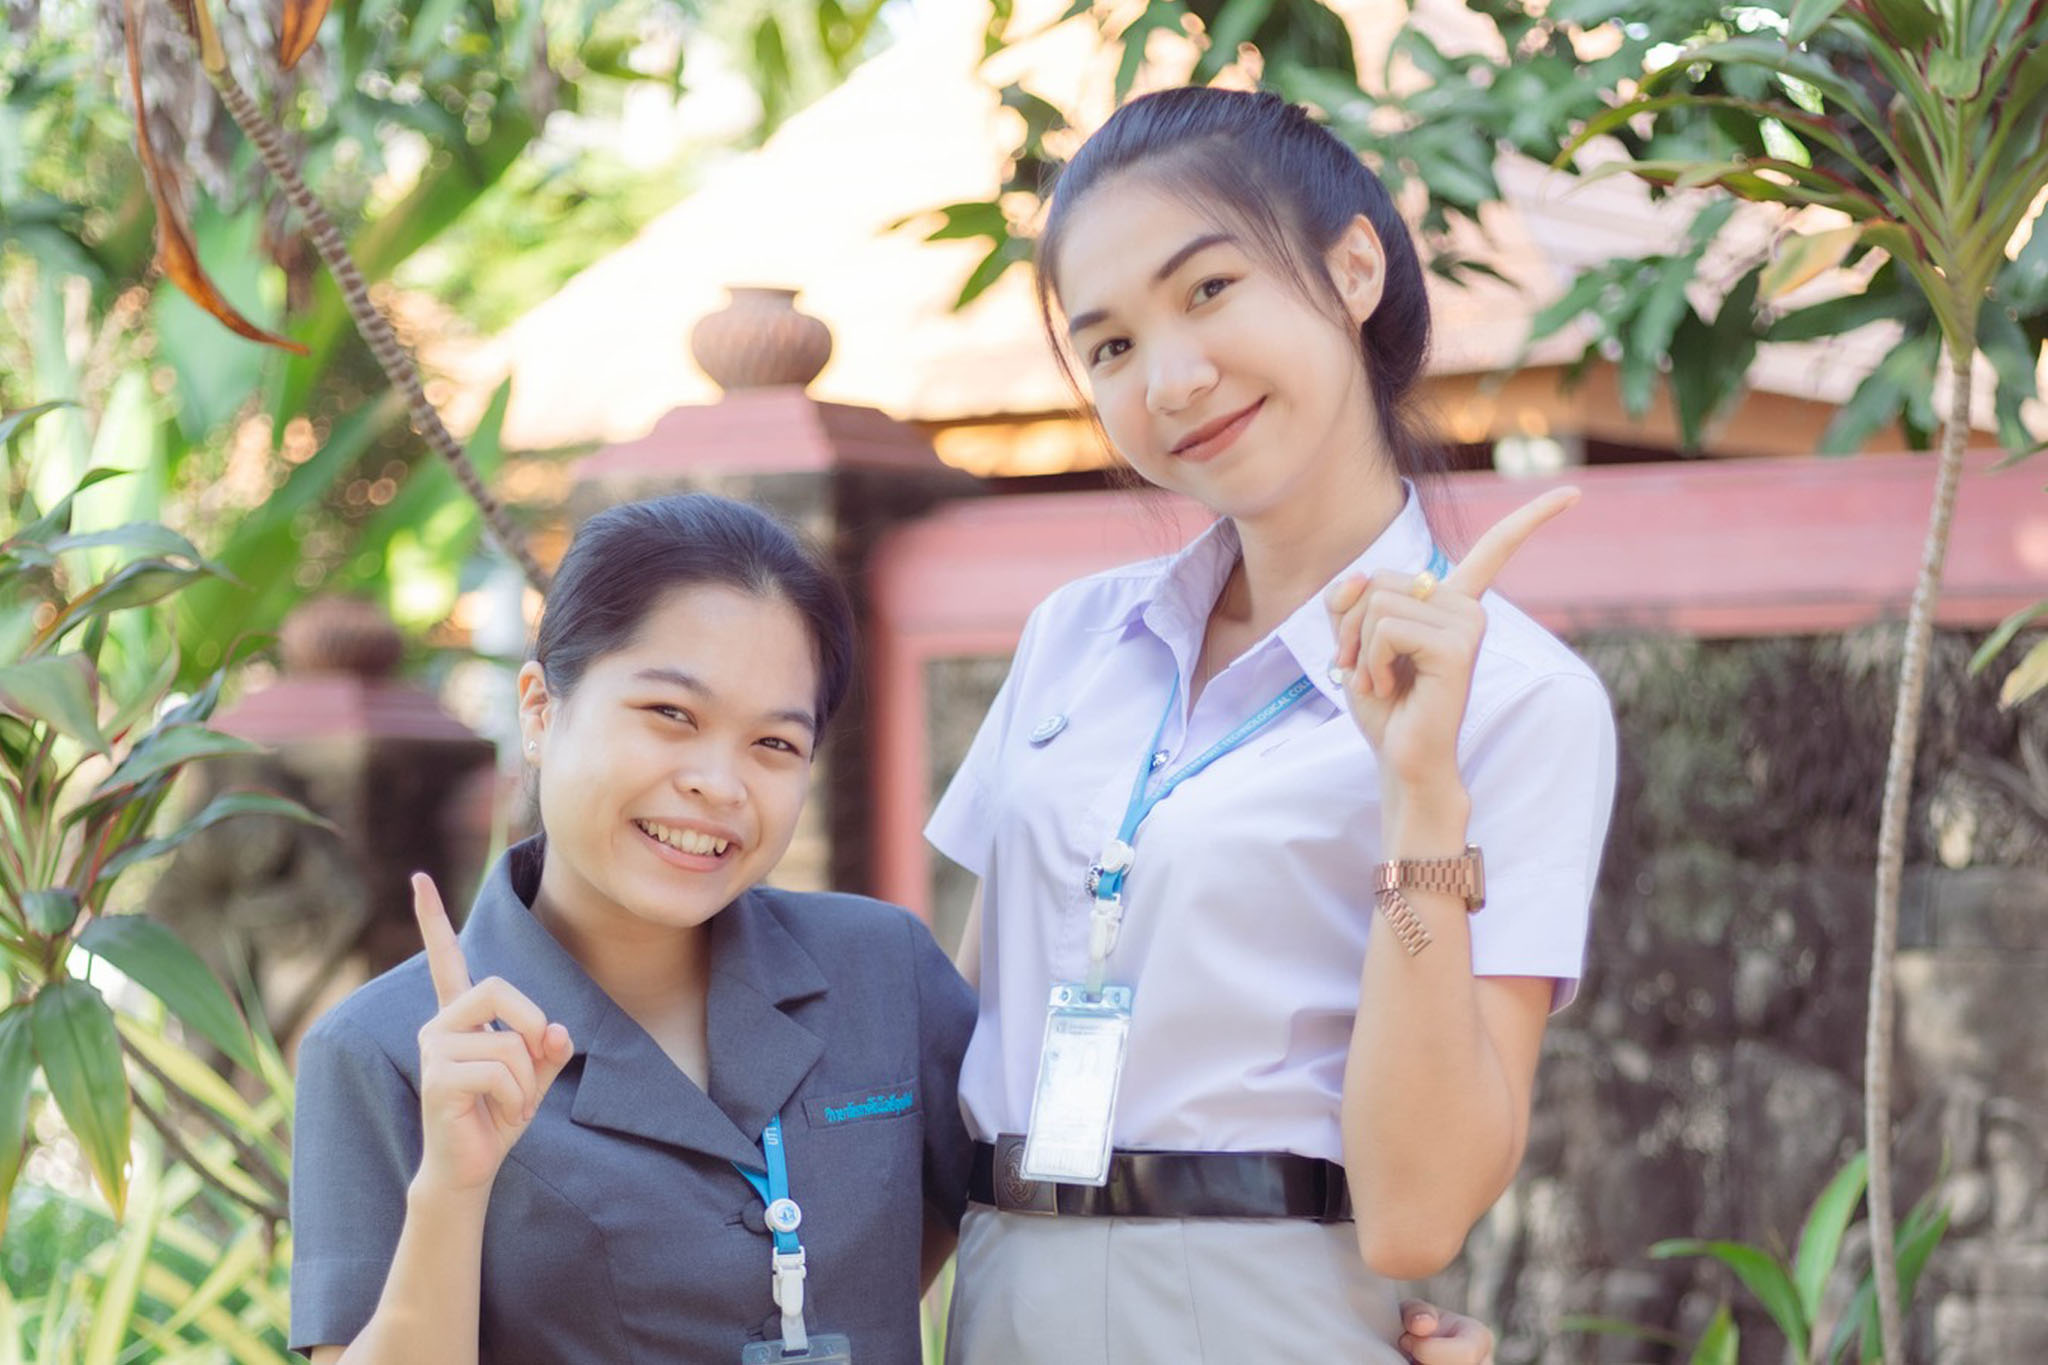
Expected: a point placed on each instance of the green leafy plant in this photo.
(1924, 129)
(89, 753)
(1792, 1292)
(187, 1273)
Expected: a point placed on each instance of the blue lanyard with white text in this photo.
(1106, 875)
(783, 1217)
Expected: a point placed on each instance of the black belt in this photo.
(1168, 1185)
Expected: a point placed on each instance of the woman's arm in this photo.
(431, 1304)
(1438, 1080)
(1441, 1066)
(487, 1058)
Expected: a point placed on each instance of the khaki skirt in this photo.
(1165, 1291)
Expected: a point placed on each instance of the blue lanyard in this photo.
(1106, 876)
(1110, 881)
(773, 1187)
(786, 1263)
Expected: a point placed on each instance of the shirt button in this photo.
(752, 1219)
(1048, 729)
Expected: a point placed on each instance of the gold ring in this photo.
(1423, 586)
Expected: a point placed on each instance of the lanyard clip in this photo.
(788, 1268)
(1115, 860)
(1105, 926)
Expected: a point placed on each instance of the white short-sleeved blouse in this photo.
(1248, 907)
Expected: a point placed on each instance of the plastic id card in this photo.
(1079, 1069)
(826, 1348)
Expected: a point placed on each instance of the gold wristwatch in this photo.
(1463, 876)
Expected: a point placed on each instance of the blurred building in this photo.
(1704, 1084)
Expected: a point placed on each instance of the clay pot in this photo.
(340, 635)
(759, 340)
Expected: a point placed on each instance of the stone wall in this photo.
(1707, 1082)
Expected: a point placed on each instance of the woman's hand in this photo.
(480, 1084)
(1406, 646)
(1432, 1337)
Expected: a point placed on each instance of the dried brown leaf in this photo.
(297, 28)
(176, 251)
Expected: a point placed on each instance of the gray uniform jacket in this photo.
(618, 1230)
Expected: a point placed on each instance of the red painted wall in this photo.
(1724, 548)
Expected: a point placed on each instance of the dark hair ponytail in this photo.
(624, 558)
(1264, 166)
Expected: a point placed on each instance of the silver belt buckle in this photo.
(1015, 1194)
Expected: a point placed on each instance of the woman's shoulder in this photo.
(1104, 598)
(1520, 658)
(859, 938)
(383, 1014)
(839, 921)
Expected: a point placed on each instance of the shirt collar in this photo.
(761, 1047)
(1405, 546)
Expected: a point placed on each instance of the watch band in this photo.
(1408, 928)
(1463, 876)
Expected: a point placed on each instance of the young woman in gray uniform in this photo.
(645, 1109)
(1286, 842)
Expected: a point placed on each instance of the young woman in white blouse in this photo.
(1255, 1023)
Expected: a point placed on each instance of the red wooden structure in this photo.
(1738, 548)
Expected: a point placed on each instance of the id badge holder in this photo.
(1080, 1067)
(826, 1348)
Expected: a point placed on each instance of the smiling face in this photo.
(1213, 374)
(672, 776)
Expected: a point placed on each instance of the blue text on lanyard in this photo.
(786, 1263)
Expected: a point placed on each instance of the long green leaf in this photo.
(240, 1262)
(21, 419)
(1803, 256)
(81, 1059)
(1769, 54)
(226, 806)
(11, 1328)
(168, 749)
(1758, 1271)
(61, 691)
(143, 701)
(1907, 23)
(1995, 643)
(115, 1305)
(1820, 1241)
(17, 1073)
(1720, 1343)
(1808, 16)
(156, 959)
(197, 1082)
(148, 537)
(220, 1327)
(2028, 677)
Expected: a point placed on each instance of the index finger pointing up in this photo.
(1491, 552)
(444, 954)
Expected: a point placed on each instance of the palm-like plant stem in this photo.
(1891, 850)
(397, 364)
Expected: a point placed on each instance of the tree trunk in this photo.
(1891, 853)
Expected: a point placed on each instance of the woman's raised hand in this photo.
(1406, 646)
(486, 1058)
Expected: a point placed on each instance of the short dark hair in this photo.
(626, 557)
(1260, 164)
